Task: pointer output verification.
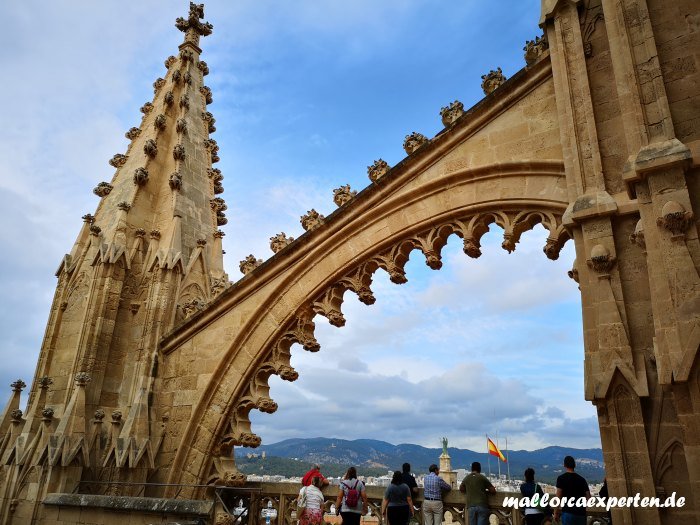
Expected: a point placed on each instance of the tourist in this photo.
(409, 480)
(534, 514)
(310, 503)
(605, 494)
(476, 487)
(353, 497)
(397, 505)
(571, 485)
(433, 487)
(313, 473)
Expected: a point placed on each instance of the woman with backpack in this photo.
(535, 514)
(353, 497)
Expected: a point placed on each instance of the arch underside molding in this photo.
(341, 258)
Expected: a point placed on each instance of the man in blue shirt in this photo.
(433, 487)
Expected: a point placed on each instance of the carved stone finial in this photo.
(637, 237)
(132, 133)
(99, 415)
(159, 122)
(150, 148)
(343, 195)
(206, 93)
(44, 382)
(47, 414)
(451, 113)
(116, 416)
(203, 67)
(18, 386)
(88, 218)
(218, 234)
(140, 233)
(311, 220)
(170, 61)
(280, 241)
(146, 108)
(140, 176)
(193, 23)
(159, 83)
(169, 98)
(82, 378)
(181, 125)
(221, 219)
(492, 81)
(16, 415)
(155, 235)
(118, 160)
(175, 181)
(124, 206)
(377, 170)
(177, 75)
(179, 152)
(187, 78)
(534, 49)
(414, 141)
(186, 55)
(95, 230)
(601, 261)
(185, 101)
(201, 242)
(103, 189)
(674, 218)
(218, 204)
(249, 264)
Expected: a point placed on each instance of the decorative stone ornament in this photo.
(192, 22)
(159, 122)
(16, 415)
(203, 67)
(45, 382)
(140, 233)
(99, 415)
(88, 218)
(132, 133)
(146, 108)
(186, 55)
(472, 248)
(211, 145)
(177, 75)
(206, 93)
(218, 234)
(82, 378)
(159, 83)
(492, 81)
(377, 170)
(140, 176)
(185, 101)
(193, 306)
(179, 152)
(218, 204)
(201, 242)
(311, 220)
(343, 195)
(637, 237)
(674, 218)
(155, 235)
(215, 174)
(249, 264)
(601, 261)
(116, 416)
(95, 230)
(181, 125)
(47, 414)
(280, 241)
(103, 189)
(414, 141)
(169, 98)
(118, 160)
(175, 181)
(18, 385)
(534, 49)
(451, 113)
(124, 206)
(170, 61)
(210, 120)
(150, 148)
(221, 219)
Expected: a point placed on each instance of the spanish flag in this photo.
(493, 450)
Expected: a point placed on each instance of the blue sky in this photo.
(307, 94)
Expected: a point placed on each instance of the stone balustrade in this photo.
(255, 497)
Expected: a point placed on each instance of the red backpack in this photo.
(353, 495)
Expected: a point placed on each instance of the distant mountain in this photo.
(380, 456)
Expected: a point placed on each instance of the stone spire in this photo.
(149, 252)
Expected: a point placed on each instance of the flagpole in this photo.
(499, 460)
(488, 454)
(507, 458)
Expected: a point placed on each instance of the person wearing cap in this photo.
(433, 487)
(315, 472)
